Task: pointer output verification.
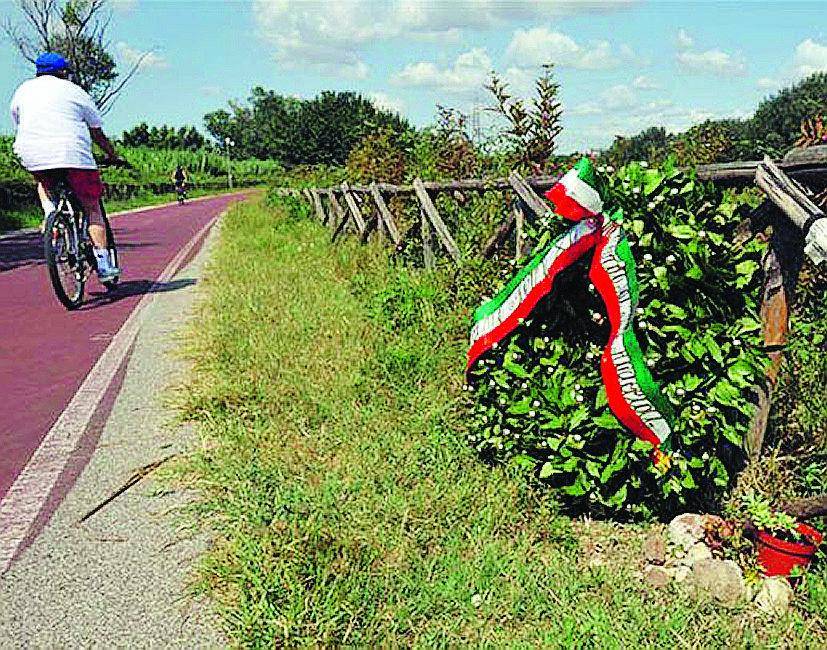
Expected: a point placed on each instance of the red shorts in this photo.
(85, 183)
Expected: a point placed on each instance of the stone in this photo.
(698, 551)
(686, 529)
(654, 548)
(682, 573)
(719, 579)
(775, 596)
(656, 576)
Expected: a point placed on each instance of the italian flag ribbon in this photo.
(633, 395)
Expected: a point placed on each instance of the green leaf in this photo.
(607, 421)
(515, 369)
(660, 276)
(652, 180)
(578, 417)
(546, 470)
(522, 460)
(695, 273)
(520, 408)
(740, 373)
(745, 270)
(714, 349)
(619, 497)
(731, 434)
(682, 231)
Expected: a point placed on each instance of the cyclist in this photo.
(179, 177)
(56, 122)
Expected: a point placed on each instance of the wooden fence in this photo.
(795, 190)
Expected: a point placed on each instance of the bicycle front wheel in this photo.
(63, 259)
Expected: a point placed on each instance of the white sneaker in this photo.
(106, 270)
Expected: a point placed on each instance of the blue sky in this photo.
(623, 64)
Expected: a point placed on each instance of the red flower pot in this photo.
(777, 557)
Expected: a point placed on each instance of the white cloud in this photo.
(643, 82)
(766, 83)
(809, 57)
(212, 91)
(467, 73)
(540, 45)
(715, 62)
(148, 60)
(386, 102)
(685, 41)
(330, 36)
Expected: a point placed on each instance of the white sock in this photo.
(102, 257)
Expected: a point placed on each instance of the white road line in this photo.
(22, 504)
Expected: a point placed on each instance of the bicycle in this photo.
(68, 249)
(181, 190)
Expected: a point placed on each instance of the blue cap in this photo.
(50, 62)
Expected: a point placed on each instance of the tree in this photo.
(78, 30)
(165, 137)
(651, 144)
(531, 128)
(777, 121)
(322, 130)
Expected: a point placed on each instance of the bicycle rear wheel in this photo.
(64, 260)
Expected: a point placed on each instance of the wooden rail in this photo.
(800, 226)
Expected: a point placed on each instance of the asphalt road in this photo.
(48, 353)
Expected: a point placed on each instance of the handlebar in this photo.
(119, 163)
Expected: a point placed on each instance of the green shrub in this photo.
(539, 400)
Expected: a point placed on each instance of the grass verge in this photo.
(347, 507)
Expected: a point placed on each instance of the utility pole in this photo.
(229, 143)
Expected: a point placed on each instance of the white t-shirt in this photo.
(53, 117)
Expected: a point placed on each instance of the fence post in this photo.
(519, 221)
(385, 215)
(427, 246)
(427, 206)
(354, 209)
(528, 195)
(317, 204)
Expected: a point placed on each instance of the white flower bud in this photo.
(670, 259)
(736, 342)
(647, 257)
(701, 234)
(635, 190)
(650, 363)
(673, 191)
(644, 164)
(696, 408)
(495, 345)
(680, 392)
(535, 403)
(578, 398)
(577, 437)
(651, 205)
(610, 169)
(640, 311)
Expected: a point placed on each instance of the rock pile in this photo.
(681, 555)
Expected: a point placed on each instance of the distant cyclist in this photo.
(56, 122)
(179, 177)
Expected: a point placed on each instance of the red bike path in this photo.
(46, 352)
